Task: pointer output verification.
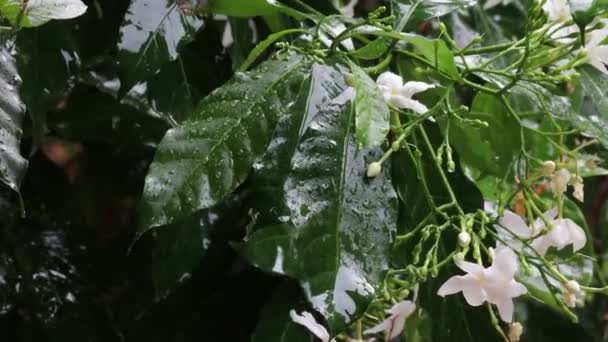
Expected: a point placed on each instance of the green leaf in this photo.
(48, 60)
(202, 161)
(334, 224)
(38, 12)
(594, 111)
(439, 8)
(491, 149)
(12, 110)
(372, 113)
(152, 34)
(275, 324)
(249, 8)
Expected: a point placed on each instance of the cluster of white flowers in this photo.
(494, 284)
(392, 326)
(559, 11)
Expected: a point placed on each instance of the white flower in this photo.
(516, 225)
(348, 9)
(573, 294)
(374, 169)
(557, 10)
(464, 239)
(400, 95)
(578, 185)
(564, 232)
(394, 324)
(598, 53)
(515, 331)
(559, 181)
(494, 284)
(307, 320)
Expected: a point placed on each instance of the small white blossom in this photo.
(394, 324)
(400, 95)
(598, 52)
(515, 331)
(493, 3)
(564, 232)
(494, 284)
(516, 225)
(559, 181)
(557, 10)
(374, 169)
(307, 320)
(348, 9)
(464, 239)
(573, 294)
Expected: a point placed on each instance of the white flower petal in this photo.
(472, 291)
(491, 3)
(380, 327)
(405, 308)
(451, 286)
(471, 268)
(505, 310)
(515, 224)
(414, 105)
(307, 320)
(504, 265)
(413, 87)
(549, 215)
(397, 328)
(578, 238)
(390, 80)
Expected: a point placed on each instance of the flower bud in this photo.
(451, 166)
(559, 181)
(573, 286)
(458, 258)
(374, 169)
(464, 239)
(548, 168)
(395, 146)
(491, 253)
(515, 331)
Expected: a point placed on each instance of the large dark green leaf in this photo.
(12, 164)
(334, 225)
(487, 150)
(372, 113)
(202, 161)
(152, 34)
(275, 324)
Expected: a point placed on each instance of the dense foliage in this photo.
(262, 170)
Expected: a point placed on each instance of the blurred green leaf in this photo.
(249, 8)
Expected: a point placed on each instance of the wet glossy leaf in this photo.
(371, 111)
(152, 34)
(250, 8)
(337, 224)
(275, 324)
(39, 12)
(203, 160)
(438, 8)
(12, 110)
(594, 111)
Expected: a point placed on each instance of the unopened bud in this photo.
(491, 253)
(451, 166)
(464, 239)
(374, 169)
(395, 146)
(548, 168)
(515, 331)
(573, 286)
(458, 258)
